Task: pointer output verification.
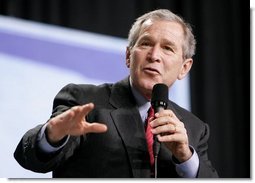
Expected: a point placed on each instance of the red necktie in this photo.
(149, 135)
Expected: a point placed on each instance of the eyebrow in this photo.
(166, 41)
(171, 43)
(145, 37)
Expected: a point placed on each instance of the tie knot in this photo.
(150, 117)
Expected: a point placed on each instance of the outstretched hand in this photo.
(73, 122)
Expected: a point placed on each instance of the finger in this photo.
(163, 120)
(63, 117)
(95, 128)
(84, 109)
(167, 112)
(176, 137)
(66, 116)
(81, 111)
(165, 129)
(87, 108)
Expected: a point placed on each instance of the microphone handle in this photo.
(156, 145)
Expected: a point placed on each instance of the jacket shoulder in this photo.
(78, 94)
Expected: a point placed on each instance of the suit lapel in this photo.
(130, 127)
(171, 107)
(128, 123)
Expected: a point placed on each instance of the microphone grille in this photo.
(159, 93)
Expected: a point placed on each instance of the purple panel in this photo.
(88, 61)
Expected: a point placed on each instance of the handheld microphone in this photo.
(159, 99)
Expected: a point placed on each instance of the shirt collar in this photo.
(140, 100)
(143, 104)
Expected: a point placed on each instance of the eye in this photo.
(145, 43)
(168, 48)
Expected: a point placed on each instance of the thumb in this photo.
(95, 128)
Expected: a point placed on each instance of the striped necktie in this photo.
(149, 135)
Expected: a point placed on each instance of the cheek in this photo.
(136, 60)
(173, 65)
(171, 72)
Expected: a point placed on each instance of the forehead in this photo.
(162, 29)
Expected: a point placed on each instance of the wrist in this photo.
(55, 142)
(184, 155)
(52, 135)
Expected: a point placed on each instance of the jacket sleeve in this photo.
(29, 156)
(27, 153)
(206, 169)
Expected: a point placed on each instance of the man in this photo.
(98, 131)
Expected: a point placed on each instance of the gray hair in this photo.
(189, 45)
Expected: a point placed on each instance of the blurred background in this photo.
(47, 44)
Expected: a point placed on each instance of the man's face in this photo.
(157, 56)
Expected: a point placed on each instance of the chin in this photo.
(148, 85)
(145, 84)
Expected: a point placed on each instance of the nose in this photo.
(154, 53)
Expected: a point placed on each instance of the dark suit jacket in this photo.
(122, 150)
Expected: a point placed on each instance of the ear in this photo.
(128, 57)
(186, 66)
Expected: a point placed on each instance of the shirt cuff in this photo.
(189, 168)
(44, 145)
